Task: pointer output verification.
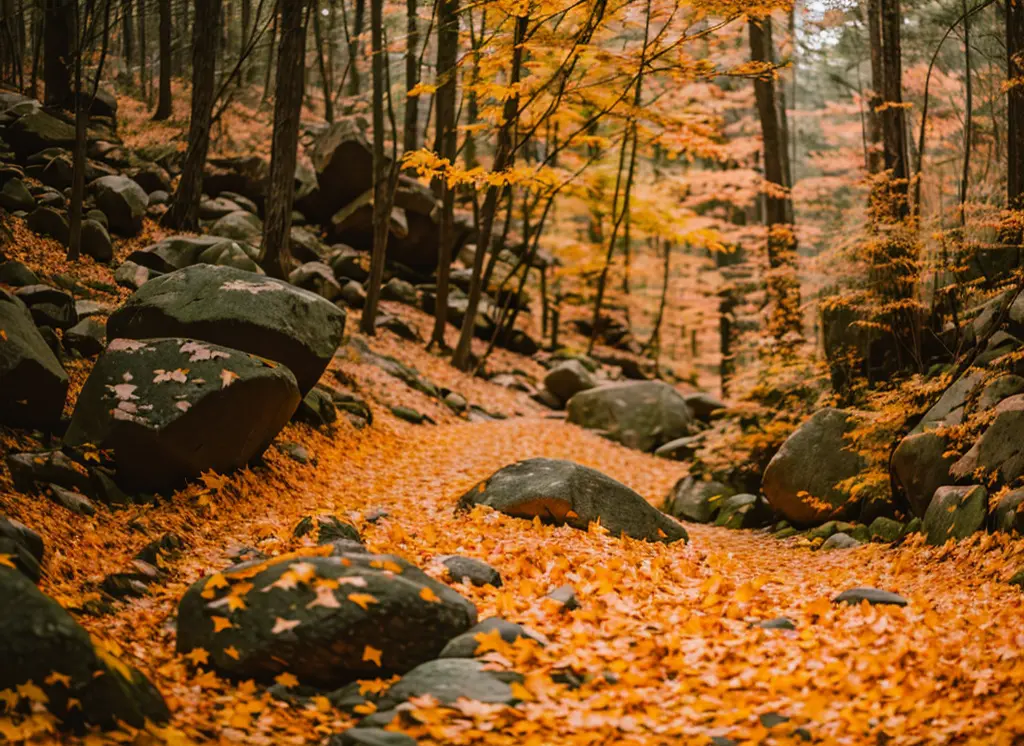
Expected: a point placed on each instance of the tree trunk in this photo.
(875, 100)
(127, 37)
(277, 222)
(353, 48)
(968, 122)
(445, 146)
(57, 53)
(385, 173)
(1015, 103)
(783, 287)
(145, 84)
(184, 211)
(163, 107)
(412, 77)
(504, 158)
(37, 45)
(893, 120)
(270, 57)
(325, 78)
(247, 33)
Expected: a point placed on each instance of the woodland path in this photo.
(667, 633)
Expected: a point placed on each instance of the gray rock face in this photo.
(123, 202)
(370, 737)
(343, 161)
(448, 680)
(467, 644)
(919, 468)
(1000, 449)
(695, 500)
(949, 409)
(639, 414)
(801, 480)
(88, 337)
(23, 545)
(567, 379)
(704, 406)
(239, 226)
(214, 209)
(399, 290)
(873, 596)
(170, 409)
(477, 572)
(38, 638)
(238, 309)
(96, 241)
(379, 601)
(15, 196)
(955, 513)
(33, 385)
(1009, 513)
(50, 223)
(567, 493)
(999, 389)
(49, 306)
(174, 252)
(839, 541)
(230, 253)
(318, 278)
(38, 130)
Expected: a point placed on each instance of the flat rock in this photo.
(449, 680)
(170, 409)
(477, 572)
(873, 596)
(319, 632)
(227, 306)
(564, 492)
(639, 414)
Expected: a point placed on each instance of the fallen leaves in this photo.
(221, 623)
(372, 654)
(284, 625)
(362, 599)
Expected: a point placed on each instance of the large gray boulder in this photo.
(123, 202)
(38, 639)
(171, 409)
(564, 492)
(919, 467)
(320, 618)
(567, 379)
(638, 414)
(14, 196)
(37, 130)
(238, 309)
(343, 160)
(174, 252)
(955, 513)
(239, 226)
(33, 385)
(696, 500)
(1000, 449)
(802, 481)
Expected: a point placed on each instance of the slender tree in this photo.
(444, 145)
(893, 118)
(163, 107)
(412, 76)
(145, 83)
(385, 173)
(287, 110)
(353, 48)
(57, 53)
(783, 287)
(874, 11)
(127, 39)
(325, 72)
(504, 158)
(1015, 103)
(183, 213)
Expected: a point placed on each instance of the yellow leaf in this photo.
(231, 652)
(31, 692)
(520, 692)
(362, 599)
(7, 560)
(221, 623)
(428, 595)
(197, 656)
(371, 653)
(286, 680)
(55, 678)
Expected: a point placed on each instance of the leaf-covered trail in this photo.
(663, 639)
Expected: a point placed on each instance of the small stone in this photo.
(295, 452)
(96, 241)
(781, 622)
(1018, 579)
(327, 528)
(456, 402)
(409, 415)
(955, 513)
(73, 501)
(885, 529)
(88, 337)
(873, 596)
(840, 541)
(370, 737)
(477, 572)
(566, 596)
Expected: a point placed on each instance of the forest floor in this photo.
(665, 639)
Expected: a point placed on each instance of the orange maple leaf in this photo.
(371, 653)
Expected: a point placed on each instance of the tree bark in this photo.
(445, 146)
(57, 53)
(353, 48)
(504, 158)
(325, 78)
(127, 38)
(968, 121)
(875, 100)
(163, 107)
(385, 173)
(412, 76)
(184, 211)
(145, 84)
(783, 287)
(277, 222)
(1015, 103)
(893, 120)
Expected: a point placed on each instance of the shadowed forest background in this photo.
(511, 371)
